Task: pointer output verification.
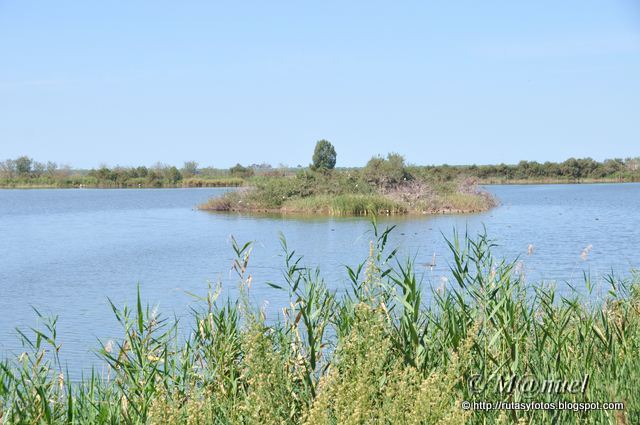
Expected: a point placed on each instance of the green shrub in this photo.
(386, 173)
(240, 171)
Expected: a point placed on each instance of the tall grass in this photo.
(346, 204)
(388, 350)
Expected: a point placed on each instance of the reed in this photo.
(389, 349)
(347, 204)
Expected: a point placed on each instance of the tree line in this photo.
(381, 171)
(573, 169)
(25, 171)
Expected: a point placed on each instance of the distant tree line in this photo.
(573, 169)
(25, 167)
(159, 175)
(379, 171)
(25, 171)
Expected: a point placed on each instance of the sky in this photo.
(127, 82)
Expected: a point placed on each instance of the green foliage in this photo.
(571, 170)
(324, 156)
(23, 165)
(368, 382)
(386, 173)
(377, 353)
(307, 191)
(25, 172)
(348, 192)
(240, 171)
(172, 175)
(25, 168)
(189, 169)
(382, 174)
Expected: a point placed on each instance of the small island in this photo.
(385, 186)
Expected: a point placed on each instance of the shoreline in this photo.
(24, 187)
(552, 182)
(318, 213)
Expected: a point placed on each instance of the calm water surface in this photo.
(66, 252)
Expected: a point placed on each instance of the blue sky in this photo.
(135, 82)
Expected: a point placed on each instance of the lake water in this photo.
(66, 252)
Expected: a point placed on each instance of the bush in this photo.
(240, 171)
(386, 173)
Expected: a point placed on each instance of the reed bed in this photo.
(377, 353)
(346, 204)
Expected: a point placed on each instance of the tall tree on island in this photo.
(324, 156)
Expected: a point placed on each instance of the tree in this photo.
(240, 171)
(141, 171)
(52, 168)
(23, 165)
(38, 168)
(632, 164)
(8, 168)
(190, 169)
(103, 173)
(324, 156)
(172, 174)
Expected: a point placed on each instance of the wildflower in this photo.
(124, 404)
(530, 249)
(108, 346)
(154, 313)
(201, 329)
(585, 252)
(443, 282)
(492, 274)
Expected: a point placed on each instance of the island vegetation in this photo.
(383, 186)
(389, 350)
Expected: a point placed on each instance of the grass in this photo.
(379, 353)
(343, 205)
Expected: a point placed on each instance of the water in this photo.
(67, 252)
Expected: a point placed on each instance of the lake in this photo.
(67, 252)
